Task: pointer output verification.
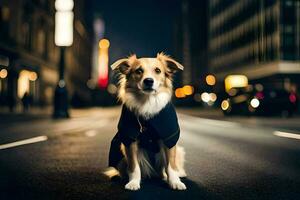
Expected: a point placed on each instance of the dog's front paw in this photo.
(132, 185)
(177, 185)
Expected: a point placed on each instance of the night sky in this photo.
(141, 27)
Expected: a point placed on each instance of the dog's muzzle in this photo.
(148, 84)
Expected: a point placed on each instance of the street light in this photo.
(103, 63)
(63, 38)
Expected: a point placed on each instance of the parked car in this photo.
(267, 102)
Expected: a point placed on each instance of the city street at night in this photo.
(74, 73)
(42, 158)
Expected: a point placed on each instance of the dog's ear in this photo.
(172, 64)
(123, 65)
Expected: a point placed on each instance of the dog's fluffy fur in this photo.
(145, 102)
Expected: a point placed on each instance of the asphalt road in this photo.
(224, 160)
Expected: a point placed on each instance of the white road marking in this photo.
(23, 142)
(287, 135)
(212, 122)
(91, 133)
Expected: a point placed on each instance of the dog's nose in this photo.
(148, 82)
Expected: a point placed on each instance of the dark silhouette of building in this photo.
(256, 38)
(29, 55)
(191, 41)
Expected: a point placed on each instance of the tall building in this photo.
(29, 57)
(256, 38)
(191, 41)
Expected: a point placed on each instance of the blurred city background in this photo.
(241, 57)
(237, 97)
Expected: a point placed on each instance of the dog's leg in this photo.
(172, 171)
(134, 171)
(161, 163)
(164, 174)
(180, 159)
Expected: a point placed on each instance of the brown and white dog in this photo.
(145, 88)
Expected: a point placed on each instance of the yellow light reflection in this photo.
(32, 76)
(213, 97)
(188, 90)
(210, 80)
(235, 81)
(104, 44)
(3, 73)
(179, 93)
(225, 105)
(24, 79)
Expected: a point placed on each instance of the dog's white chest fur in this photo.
(148, 106)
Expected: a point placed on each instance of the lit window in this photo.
(5, 13)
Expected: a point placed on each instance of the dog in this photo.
(148, 129)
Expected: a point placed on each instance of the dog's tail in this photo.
(111, 172)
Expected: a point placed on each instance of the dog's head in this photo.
(148, 75)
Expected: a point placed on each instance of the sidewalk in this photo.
(34, 113)
(39, 113)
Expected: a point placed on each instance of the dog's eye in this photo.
(139, 71)
(157, 70)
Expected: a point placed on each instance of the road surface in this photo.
(63, 159)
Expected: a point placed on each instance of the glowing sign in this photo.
(103, 63)
(235, 81)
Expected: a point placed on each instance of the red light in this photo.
(293, 98)
(260, 95)
(103, 64)
(102, 83)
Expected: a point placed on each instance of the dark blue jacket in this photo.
(163, 126)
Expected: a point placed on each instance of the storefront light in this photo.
(3, 73)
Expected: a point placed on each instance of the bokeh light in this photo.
(32, 76)
(225, 105)
(188, 90)
(104, 44)
(210, 80)
(3, 73)
(254, 103)
(235, 81)
(179, 93)
(205, 97)
(213, 97)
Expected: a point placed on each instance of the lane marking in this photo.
(91, 133)
(287, 135)
(212, 122)
(24, 142)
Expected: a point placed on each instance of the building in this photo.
(256, 38)
(29, 57)
(191, 41)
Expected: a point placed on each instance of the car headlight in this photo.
(225, 104)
